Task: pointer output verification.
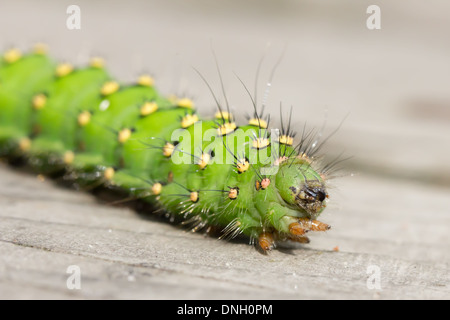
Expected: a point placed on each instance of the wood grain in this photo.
(44, 229)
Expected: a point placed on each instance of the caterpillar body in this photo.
(211, 173)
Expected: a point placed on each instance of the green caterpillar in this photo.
(211, 173)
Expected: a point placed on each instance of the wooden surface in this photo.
(44, 229)
(391, 210)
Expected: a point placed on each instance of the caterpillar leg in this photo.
(303, 225)
(292, 227)
(313, 225)
(266, 241)
(299, 239)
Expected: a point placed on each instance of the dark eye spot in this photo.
(321, 196)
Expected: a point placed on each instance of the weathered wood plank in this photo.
(44, 229)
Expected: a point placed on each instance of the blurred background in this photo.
(392, 82)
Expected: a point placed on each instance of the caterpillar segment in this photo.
(22, 76)
(213, 172)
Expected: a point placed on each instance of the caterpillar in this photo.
(211, 173)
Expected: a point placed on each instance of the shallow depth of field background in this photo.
(390, 85)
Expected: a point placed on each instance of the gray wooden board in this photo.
(45, 229)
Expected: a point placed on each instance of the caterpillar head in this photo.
(301, 187)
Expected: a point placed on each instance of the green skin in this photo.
(68, 96)
(139, 162)
(19, 82)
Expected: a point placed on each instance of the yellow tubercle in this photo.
(124, 135)
(84, 118)
(68, 157)
(97, 62)
(12, 55)
(148, 108)
(258, 123)
(168, 149)
(261, 143)
(39, 101)
(233, 193)
(24, 144)
(64, 69)
(193, 196)
(109, 88)
(226, 128)
(156, 189)
(146, 80)
(287, 140)
(223, 115)
(204, 160)
(242, 165)
(188, 120)
(109, 173)
(185, 103)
